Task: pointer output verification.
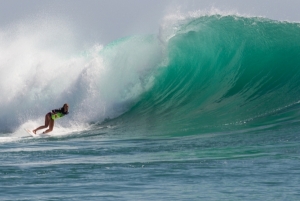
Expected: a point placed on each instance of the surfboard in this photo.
(35, 135)
(30, 132)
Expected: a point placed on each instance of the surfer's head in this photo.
(66, 107)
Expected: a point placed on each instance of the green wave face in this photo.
(223, 71)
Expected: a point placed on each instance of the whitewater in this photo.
(206, 109)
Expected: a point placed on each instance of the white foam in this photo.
(40, 70)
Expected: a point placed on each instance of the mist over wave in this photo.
(41, 69)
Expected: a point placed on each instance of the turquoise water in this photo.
(243, 165)
(210, 112)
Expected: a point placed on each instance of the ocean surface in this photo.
(208, 108)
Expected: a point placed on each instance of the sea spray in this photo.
(38, 76)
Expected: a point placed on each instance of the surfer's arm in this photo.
(59, 111)
(55, 111)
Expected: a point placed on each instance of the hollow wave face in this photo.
(223, 71)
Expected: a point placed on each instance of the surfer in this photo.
(51, 116)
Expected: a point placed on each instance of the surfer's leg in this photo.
(47, 121)
(51, 125)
